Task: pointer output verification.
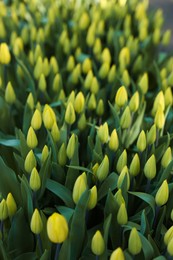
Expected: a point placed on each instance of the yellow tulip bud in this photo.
(57, 83)
(151, 135)
(119, 197)
(97, 48)
(3, 210)
(38, 68)
(71, 146)
(124, 57)
(55, 133)
(97, 243)
(92, 102)
(159, 101)
(103, 169)
(168, 235)
(71, 98)
(167, 157)
(54, 65)
(38, 52)
(122, 216)
(84, 21)
(134, 102)
(5, 56)
(86, 65)
(30, 162)
(31, 139)
(124, 174)
(79, 187)
(88, 80)
(46, 67)
(36, 222)
(159, 118)
(126, 118)
(172, 214)
(141, 142)
(117, 254)
(48, 117)
(168, 97)
(30, 101)
(18, 46)
(134, 244)
(42, 83)
(10, 95)
(170, 79)
(34, 181)
(11, 205)
(106, 56)
(114, 141)
(36, 120)
(100, 108)
(103, 133)
(94, 85)
(162, 194)
(79, 102)
(44, 154)
(135, 166)
(82, 122)
(166, 37)
(95, 168)
(112, 74)
(150, 167)
(70, 63)
(122, 161)
(156, 36)
(62, 156)
(93, 198)
(126, 78)
(104, 70)
(70, 116)
(170, 247)
(121, 97)
(143, 83)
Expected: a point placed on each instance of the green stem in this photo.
(97, 257)
(2, 229)
(148, 185)
(156, 217)
(40, 244)
(57, 251)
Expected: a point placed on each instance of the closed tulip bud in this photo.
(170, 247)
(143, 83)
(166, 37)
(48, 117)
(38, 69)
(94, 85)
(71, 146)
(168, 97)
(162, 194)
(124, 57)
(126, 78)
(168, 235)
(91, 35)
(103, 133)
(36, 222)
(31, 139)
(141, 142)
(104, 70)
(86, 65)
(36, 120)
(88, 80)
(30, 101)
(10, 96)
(79, 102)
(11, 205)
(114, 141)
(103, 169)
(54, 65)
(172, 214)
(82, 122)
(170, 79)
(150, 167)
(97, 48)
(92, 102)
(38, 52)
(124, 174)
(62, 156)
(122, 161)
(135, 166)
(167, 158)
(46, 67)
(100, 108)
(93, 198)
(112, 74)
(159, 101)
(134, 244)
(134, 102)
(126, 118)
(106, 56)
(97, 243)
(117, 254)
(70, 116)
(121, 97)
(159, 118)
(3, 210)
(44, 154)
(79, 187)
(55, 133)
(34, 181)
(119, 197)
(57, 83)
(122, 216)
(95, 168)
(151, 135)
(5, 56)
(70, 63)
(42, 83)
(57, 228)
(30, 162)
(156, 36)
(71, 98)
(84, 21)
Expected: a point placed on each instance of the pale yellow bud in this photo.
(122, 216)
(114, 141)
(150, 167)
(36, 120)
(55, 133)
(122, 161)
(126, 118)
(10, 95)
(34, 181)
(92, 102)
(121, 97)
(79, 187)
(167, 157)
(159, 101)
(117, 254)
(162, 194)
(93, 198)
(143, 83)
(97, 243)
(36, 222)
(134, 102)
(135, 166)
(103, 133)
(5, 56)
(70, 116)
(48, 117)
(11, 205)
(31, 139)
(141, 142)
(159, 118)
(30, 162)
(79, 102)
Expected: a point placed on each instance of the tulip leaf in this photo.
(24, 149)
(3, 253)
(65, 211)
(10, 142)
(110, 183)
(26, 195)
(80, 168)
(60, 191)
(166, 173)
(146, 247)
(115, 115)
(27, 256)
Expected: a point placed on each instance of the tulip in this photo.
(121, 97)
(70, 116)
(134, 244)
(103, 169)
(167, 157)
(141, 142)
(36, 120)
(30, 162)
(117, 254)
(5, 56)
(3, 210)
(36, 222)
(11, 205)
(162, 194)
(34, 181)
(122, 216)
(31, 139)
(122, 161)
(97, 243)
(79, 187)
(150, 167)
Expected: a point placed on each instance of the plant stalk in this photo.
(57, 251)
(40, 244)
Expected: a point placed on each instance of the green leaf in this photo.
(26, 196)
(60, 191)
(145, 228)
(110, 183)
(80, 168)
(10, 142)
(65, 211)
(24, 149)
(27, 256)
(45, 255)
(3, 253)
(166, 173)
(115, 115)
(146, 247)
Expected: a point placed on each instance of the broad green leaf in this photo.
(80, 168)
(115, 115)
(24, 149)
(65, 211)
(10, 142)
(110, 183)
(146, 247)
(166, 173)
(3, 253)
(60, 191)
(145, 228)
(26, 197)
(45, 255)
(27, 256)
